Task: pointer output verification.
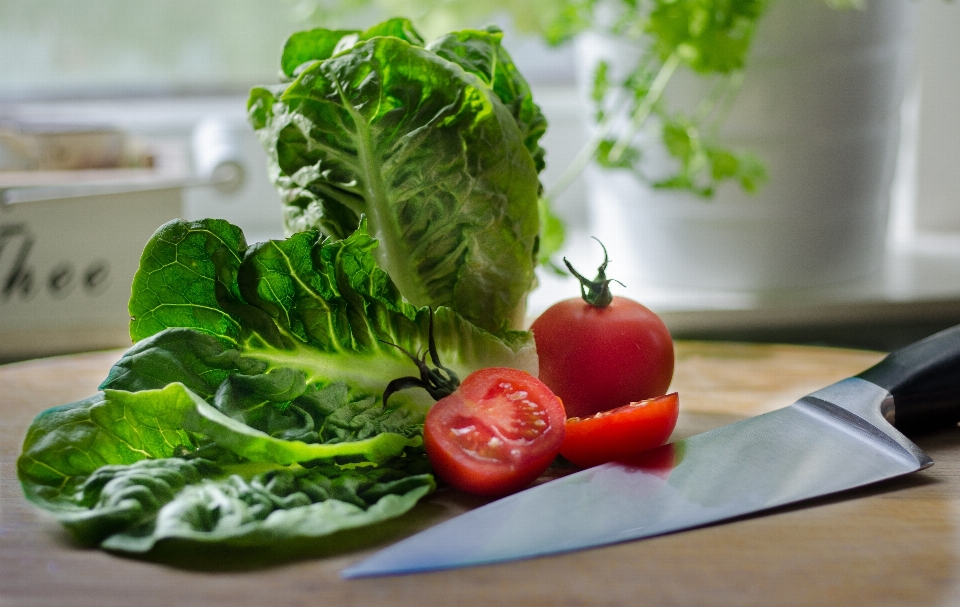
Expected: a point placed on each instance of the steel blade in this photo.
(832, 440)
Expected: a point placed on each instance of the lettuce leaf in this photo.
(436, 145)
(250, 407)
(286, 315)
(480, 52)
(126, 469)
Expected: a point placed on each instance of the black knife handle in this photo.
(924, 379)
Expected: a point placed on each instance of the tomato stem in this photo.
(595, 292)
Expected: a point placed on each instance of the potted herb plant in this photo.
(756, 156)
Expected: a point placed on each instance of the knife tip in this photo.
(362, 570)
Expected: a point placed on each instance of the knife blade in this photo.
(837, 438)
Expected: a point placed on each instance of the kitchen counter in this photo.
(895, 543)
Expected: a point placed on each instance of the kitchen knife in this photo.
(843, 436)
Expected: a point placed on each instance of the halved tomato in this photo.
(496, 434)
(620, 433)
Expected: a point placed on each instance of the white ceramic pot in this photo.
(820, 104)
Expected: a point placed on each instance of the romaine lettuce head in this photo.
(249, 409)
(436, 145)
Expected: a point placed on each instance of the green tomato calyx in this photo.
(595, 292)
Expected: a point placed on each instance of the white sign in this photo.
(66, 266)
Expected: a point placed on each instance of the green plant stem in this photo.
(589, 149)
(732, 88)
(646, 106)
(586, 153)
(710, 103)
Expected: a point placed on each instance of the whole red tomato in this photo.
(602, 352)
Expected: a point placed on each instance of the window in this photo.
(109, 48)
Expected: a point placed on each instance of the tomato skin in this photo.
(496, 434)
(621, 433)
(597, 359)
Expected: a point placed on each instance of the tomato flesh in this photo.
(595, 359)
(620, 433)
(496, 434)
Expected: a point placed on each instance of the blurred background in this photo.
(118, 115)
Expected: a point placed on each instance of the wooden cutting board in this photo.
(896, 543)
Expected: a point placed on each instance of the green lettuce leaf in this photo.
(318, 44)
(289, 315)
(480, 52)
(126, 469)
(437, 146)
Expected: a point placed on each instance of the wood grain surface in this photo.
(895, 543)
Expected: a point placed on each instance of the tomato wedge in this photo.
(620, 433)
(496, 433)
